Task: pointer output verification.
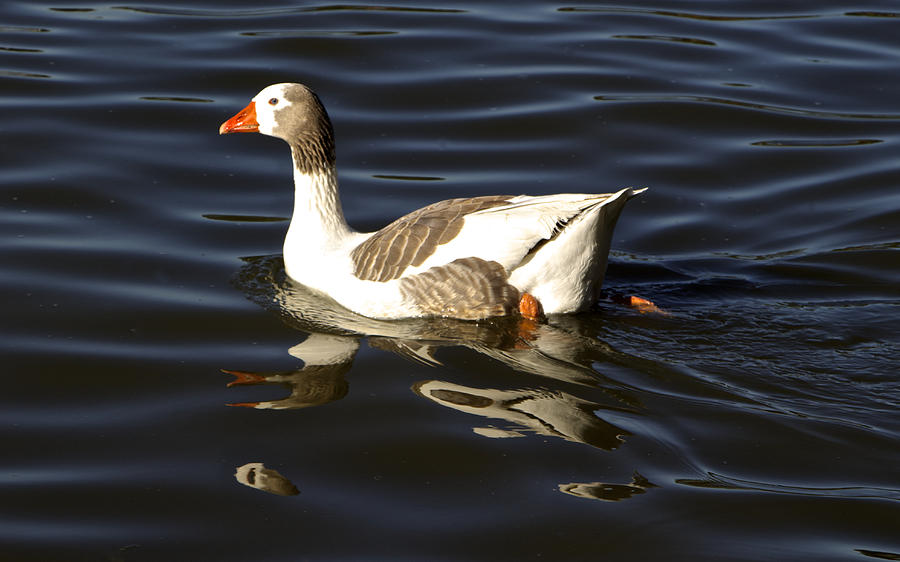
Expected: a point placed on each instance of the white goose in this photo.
(463, 258)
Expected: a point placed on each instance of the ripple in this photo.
(821, 143)
(730, 483)
(266, 12)
(871, 14)
(669, 38)
(178, 99)
(407, 178)
(244, 218)
(688, 15)
(20, 50)
(894, 245)
(377, 8)
(20, 74)
(48, 531)
(879, 554)
(22, 29)
(768, 108)
(316, 33)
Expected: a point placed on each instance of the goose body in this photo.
(467, 258)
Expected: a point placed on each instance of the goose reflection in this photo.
(326, 358)
(553, 351)
(606, 491)
(544, 412)
(256, 475)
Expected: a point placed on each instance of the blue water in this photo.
(757, 420)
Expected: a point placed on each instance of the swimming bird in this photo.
(469, 258)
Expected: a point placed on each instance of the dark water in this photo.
(140, 251)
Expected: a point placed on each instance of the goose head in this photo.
(293, 113)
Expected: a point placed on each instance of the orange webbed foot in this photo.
(244, 404)
(530, 308)
(644, 306)
(243, 377)
(532, 314)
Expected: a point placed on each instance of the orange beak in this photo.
(243, 122)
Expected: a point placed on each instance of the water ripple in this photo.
(720, 481)
(822, 143)
(669, 38)
(268, 12)
(686, 15)
(731, 102)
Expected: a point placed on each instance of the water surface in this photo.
(155, 354)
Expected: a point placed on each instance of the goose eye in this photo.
(273, 101)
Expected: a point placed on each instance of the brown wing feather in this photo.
(468, 288)
(409, 240)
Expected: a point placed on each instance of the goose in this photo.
(468, 258)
